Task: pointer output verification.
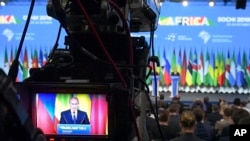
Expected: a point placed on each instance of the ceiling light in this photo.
(185, 3)
(211, 3)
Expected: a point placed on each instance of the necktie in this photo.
(74, 118)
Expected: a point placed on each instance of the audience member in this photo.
(162, 106)
(225, 121)
(237, 115)
(197, 103)
(214, 116)
(244, 120)
(207, 105)
(180, 103)
(248, 103)
(187, 124)
(203, 130)
(223, 105)
(174, 116)
(167, 130)
(236, 103)
(243, 106)
(176, 100)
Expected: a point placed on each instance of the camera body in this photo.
(106, 15)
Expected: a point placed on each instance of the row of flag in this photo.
(208, 68)
(34, 58)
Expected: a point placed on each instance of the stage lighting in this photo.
(2, 3)
(185, 3)
(211, 3)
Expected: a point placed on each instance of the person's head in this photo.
(244, 121)
(197, 103)
(163, 116)
(174, 108)
(227, 112)
(198, 113)
(162, 104)
(73, 103)
(239, 114)
(187, 121)
(162, 96)
(175, 99)
(215, 108)
(178, 97)
(206, 99)
(237, 102)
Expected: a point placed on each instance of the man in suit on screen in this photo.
(74, 115)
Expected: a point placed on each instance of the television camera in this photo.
(99, 44)
(99, 49)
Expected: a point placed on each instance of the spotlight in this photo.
(2, 3)
(185, 3)
(211, 3)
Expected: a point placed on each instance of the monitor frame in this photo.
(119, 116)
(28, 95)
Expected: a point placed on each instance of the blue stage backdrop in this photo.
(209, 46)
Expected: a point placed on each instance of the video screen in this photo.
(72, 113)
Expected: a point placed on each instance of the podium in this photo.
(73, 129)
(175, 85)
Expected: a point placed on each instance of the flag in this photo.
(194, 68)
(200, 75)
(40, 60)
(211, 67)
(45, 113)
(6, 59)
(25, 66)
(189, 79)
(247, 75)
(216, 67)
(239, 72)
(166, 73)
(221, 70)
(99, 114)
(84, 102)
(244, 67)
(207, 77)
(173, 63)
(233, 71)
(179, 63)
(159, 69)
(35, 59)
(46, 57)
(229, 76)
(183, 69)
(61, 104)
(11, 56)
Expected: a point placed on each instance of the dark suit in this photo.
(205, 131)
(175, 74)
(66, 117)
(213, 117)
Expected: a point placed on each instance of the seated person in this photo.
(187, 123)
(74, 115)
(167, 130)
